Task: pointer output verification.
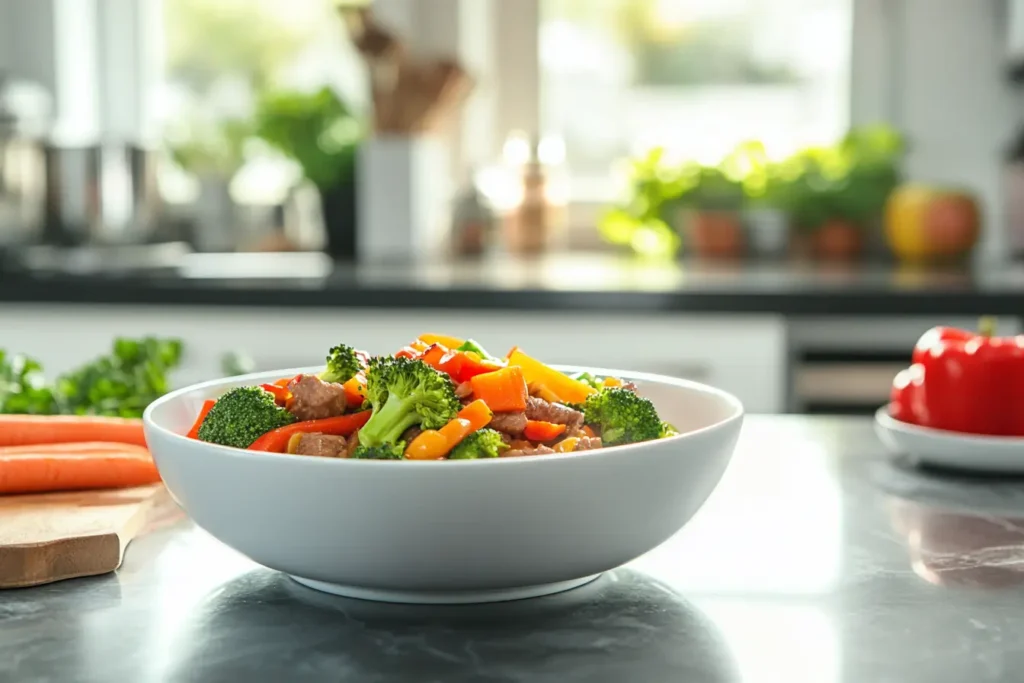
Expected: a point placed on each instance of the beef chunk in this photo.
(539, 409)
(517, 452)
(510, 423)
(314, 399)
(588, 443)
(323, 445)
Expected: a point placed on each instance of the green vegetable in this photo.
(384, 451)
(122, 384)
(668, 430)
(590, 380)
(241, 416)
(315, 129)
(343, 363)
(472, 345)
(23, 389)
(623, 416)
(405, 393)
(483, 443)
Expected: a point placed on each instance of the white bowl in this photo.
(972, 452)
(450, 531)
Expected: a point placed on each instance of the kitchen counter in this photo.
(816, 561)
(558, 282)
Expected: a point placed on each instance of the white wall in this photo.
(936, 69)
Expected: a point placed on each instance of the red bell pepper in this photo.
(203, 412)
(276, 441)
(939, 335)
(543, 431)
(973, 383)
(906, 396)
(281, 395)
(461, 366)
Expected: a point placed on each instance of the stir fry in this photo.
(440, 398)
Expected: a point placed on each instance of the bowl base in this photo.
(444, 597)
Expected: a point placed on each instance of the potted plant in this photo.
(710, 213)
(842, 191)
(321, 134)
(768, 189)
(643, 221)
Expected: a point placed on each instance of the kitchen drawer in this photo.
(743, 355)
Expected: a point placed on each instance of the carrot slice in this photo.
(478, 413)
(72, 448)
(203, 412)
(587, 431)
(28, 430)
(502, 390)
(48, 470)
(537, 430)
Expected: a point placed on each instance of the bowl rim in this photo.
(256, 377)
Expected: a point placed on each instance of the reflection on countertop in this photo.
(803, 567)
(172, 274)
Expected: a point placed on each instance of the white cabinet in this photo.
(745, 355)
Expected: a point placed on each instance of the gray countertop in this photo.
(575, 281)
(816, 561)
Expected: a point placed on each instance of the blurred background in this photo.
(775, 196)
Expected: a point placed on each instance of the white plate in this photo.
(922, 445)
(448, 532)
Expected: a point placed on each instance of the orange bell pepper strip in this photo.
(502, 390)
(537, 430)
(436, 444)
(567, 389)
(276, 441)
(443, 340)
(355, 391)
(203, 412)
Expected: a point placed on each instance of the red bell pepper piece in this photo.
(906, 397)
(276, 441)
(204, 411)
(537, 430)
(281, 395)
(973, 383)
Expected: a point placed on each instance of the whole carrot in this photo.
(50, 470)
(29, 430)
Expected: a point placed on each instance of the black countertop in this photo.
(557, 282)
(816, 562)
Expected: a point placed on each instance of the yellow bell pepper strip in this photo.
(541, 391)
(436, 444)
(612, 382)
(567, 445)
(567, 389)
(503, 390)
(443, 340)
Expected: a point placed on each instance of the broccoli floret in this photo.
(474, 346)
(241, 416)
(483, 443)
(384, 451)
(590, 380)
(405, 393)
(623, 416)
(668, 430)
(343, 363)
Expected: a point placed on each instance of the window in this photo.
(618, 77)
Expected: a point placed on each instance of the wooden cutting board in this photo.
(55, 536)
